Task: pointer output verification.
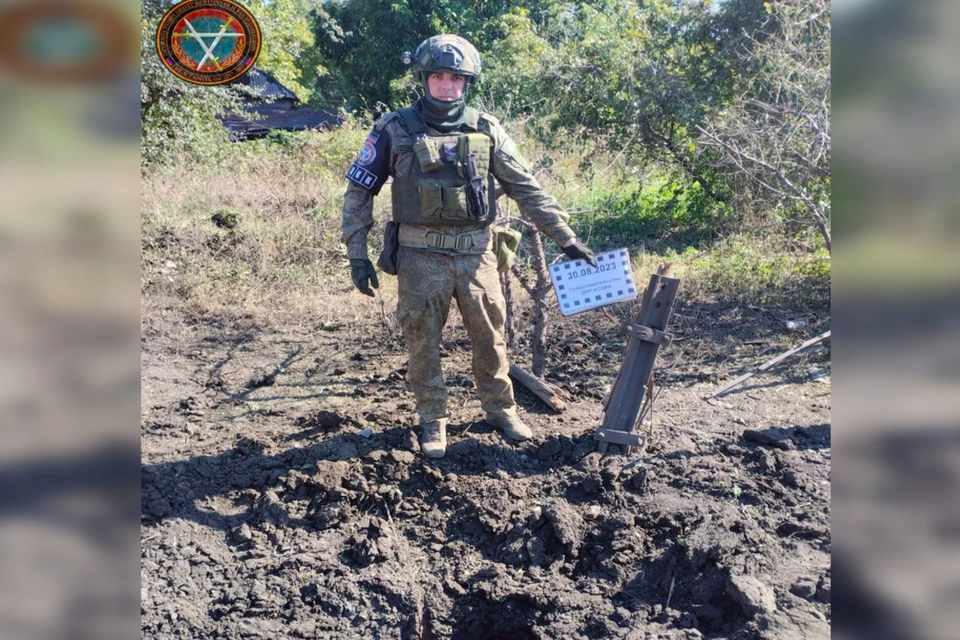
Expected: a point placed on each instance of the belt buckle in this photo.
(434, 239)
(463, 242)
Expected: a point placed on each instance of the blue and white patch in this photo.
(362, 177)
(370, 170)
(449, 150)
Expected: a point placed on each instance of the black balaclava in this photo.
(442, 116)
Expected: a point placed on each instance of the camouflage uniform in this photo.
(429, 278)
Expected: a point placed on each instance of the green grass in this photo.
(756, 271)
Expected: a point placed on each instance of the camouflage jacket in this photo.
(379, 159)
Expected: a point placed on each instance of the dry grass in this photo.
(284, 262)
(283, 257)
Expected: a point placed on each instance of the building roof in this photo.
(242, 127)
(265, 85)
(274, 108)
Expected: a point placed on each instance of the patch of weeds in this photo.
(226, 219)
(666, 210)
(753, 272)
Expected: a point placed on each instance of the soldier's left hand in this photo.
(580, 251)
(363, 275)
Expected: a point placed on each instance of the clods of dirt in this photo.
(269, 516)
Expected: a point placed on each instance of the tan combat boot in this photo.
(511, 425)
(433, 438)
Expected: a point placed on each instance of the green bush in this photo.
(666, 208)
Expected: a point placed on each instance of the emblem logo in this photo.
(208, 41)
(368, 152)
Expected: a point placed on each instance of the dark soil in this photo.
(283, 494)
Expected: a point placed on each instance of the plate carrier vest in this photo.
(434, 192)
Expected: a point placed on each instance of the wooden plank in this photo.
(769, 363)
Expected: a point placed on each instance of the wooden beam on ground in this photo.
(553, 396)
(769, 363)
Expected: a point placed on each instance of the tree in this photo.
(776, 133)
(647, 72)
(288, 29)
(362, 61)
(176, 117)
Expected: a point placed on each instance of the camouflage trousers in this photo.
(428, 281)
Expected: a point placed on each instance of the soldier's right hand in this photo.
(363, 275)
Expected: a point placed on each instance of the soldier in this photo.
(443, 157)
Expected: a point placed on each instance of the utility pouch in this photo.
(505, 243)
(440, 200)
(387, 262)
(427, 153)
(479, 144)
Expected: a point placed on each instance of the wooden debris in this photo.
(552, 395)
(769, 363)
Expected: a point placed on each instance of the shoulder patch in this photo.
(370, 170)
(368, 153)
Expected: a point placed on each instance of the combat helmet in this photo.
(445, 52)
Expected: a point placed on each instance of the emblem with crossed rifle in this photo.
(208, 41)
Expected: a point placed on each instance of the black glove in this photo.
(363, 275)
(580, 251)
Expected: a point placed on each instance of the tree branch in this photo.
(799, 194)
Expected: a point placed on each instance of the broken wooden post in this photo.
(540, 309)
(647, 334)
(509, 334)
(553, 396)
(537, 291)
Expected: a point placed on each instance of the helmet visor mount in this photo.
(448, 58)
(445, 53)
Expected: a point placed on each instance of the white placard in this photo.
(580, 287)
